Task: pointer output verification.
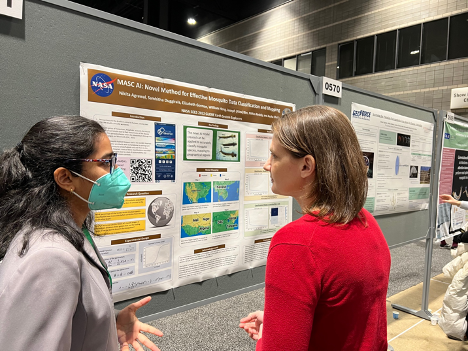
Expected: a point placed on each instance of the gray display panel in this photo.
(40, 59)
(39, 70)
(399, 228)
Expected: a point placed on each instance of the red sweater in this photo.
(326, 287)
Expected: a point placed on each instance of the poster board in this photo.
(398, 154)
(403, 227)
(200, 204)
(453, 179)
(53, 53)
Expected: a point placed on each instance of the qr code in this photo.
(141, 170)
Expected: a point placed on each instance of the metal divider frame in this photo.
(424, 312)
(435, 170)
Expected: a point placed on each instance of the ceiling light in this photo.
(414, 52)
(191, 21)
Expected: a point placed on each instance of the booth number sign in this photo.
(331, 87)
(12, 8)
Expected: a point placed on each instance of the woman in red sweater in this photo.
(327, 272)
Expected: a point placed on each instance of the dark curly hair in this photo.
(29, 196)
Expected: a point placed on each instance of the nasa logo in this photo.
(362, 114)
(447, 135)
(102, 85)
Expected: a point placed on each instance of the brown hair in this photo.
(340, 188)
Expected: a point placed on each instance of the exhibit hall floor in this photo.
(409, 332)
(215, 326)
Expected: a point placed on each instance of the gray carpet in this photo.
(408, 265)
(215, 326)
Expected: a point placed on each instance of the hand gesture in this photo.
(253, 324)
(129, 328)
(445, 198)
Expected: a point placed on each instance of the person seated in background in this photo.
(55, 290)
(460, 238)
(453, 317)
(327, 272)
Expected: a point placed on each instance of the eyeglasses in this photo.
(111, 161)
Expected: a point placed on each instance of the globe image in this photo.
(160, 211)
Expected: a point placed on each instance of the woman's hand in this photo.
(445, 198)
(253, 324)
(129, 328)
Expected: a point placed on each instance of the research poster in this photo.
(200, 204)
(453, 179)
(398, 153)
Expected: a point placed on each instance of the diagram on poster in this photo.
(397, 152)
(196, 193)
(155, 254)
(257, 149)
(200, 203)
(264, 218)
(210, 206)
(195, 225)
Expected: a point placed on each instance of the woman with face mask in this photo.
(327, 272)
(55, 290)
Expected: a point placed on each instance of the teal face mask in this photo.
(108, 191)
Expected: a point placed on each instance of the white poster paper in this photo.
(12, 8)
(200, 204)
(398, 154)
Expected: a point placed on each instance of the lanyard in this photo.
(91, 241)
